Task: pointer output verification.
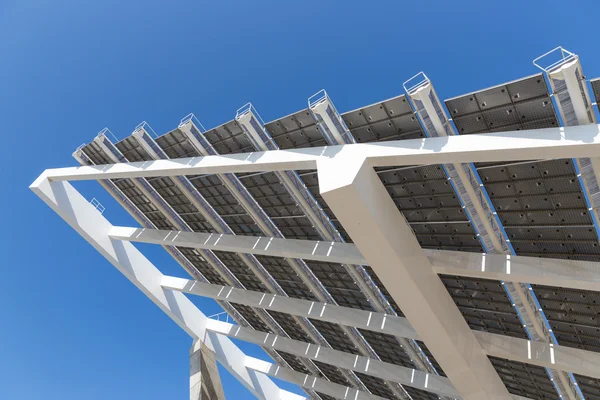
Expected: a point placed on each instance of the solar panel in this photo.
(267, 190)
(524, 379)
(130, 147)
(540, 204)
(521, 104)
(590, 387)
(391, 119)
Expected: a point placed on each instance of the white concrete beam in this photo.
(369, 366)
(543, 354)
(336, 252)
(563, 142)
(308, 382)
(538, 353)
(362, 204)
(584, 275)
(373, 321)
(70, 205)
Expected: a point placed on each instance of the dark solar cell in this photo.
(205, 269)
(485, 305)
(292, 328)
(339, 284)
(291, 283)
(332, 373)
(417, 394)
(542, 208)
(426, 197)
(574, 315)
(376, 386)
(522, 104)
(391, 119)
(295, 131)
(590, 387)
(387, 348)
(335, 336)
(525, 379)
(384, 290)
(229, 138)
(325, 397)
(294, 362)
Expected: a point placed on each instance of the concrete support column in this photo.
(205, 381)
(358, 198)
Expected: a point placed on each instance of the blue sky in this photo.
(71, 326)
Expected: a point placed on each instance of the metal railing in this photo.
(564, 57)
(97, 205)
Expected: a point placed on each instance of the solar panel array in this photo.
(539, 202)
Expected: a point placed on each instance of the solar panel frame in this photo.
(521, 104)
(590, 387)
(230, 259)
(538, 198)
(428, 202)
(524, 379)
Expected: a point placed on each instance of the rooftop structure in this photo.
(410, 249)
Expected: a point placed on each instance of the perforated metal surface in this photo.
(391, 119)
(540, 203)
(590, 387)
(485, 305)
(524, 379)
(574, 315)
(521, 104)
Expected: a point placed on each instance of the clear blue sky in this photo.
(71, 326)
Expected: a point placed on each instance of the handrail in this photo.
(146, 127)
(320, 96)
(565, 55)
(411, 89)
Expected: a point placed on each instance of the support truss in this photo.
(382, 239)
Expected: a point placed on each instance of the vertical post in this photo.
(205, 381)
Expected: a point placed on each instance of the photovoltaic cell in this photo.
(525, 380)
(521, 104)
(590, 387)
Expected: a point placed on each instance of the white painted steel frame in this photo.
(363, 206)
(219, 224)
(82, 216)
(548, 143)
(453, 344)
(575, 274)
(567, 359)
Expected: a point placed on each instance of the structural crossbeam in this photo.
(575, 274)
(68, 203)
(369, 320)
(379, 369)
(576, 141)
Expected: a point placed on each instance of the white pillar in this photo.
(205, 381)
